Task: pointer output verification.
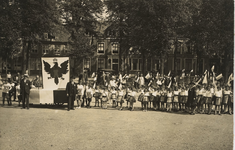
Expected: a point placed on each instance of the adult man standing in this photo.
(191, 103)
(25, 86)
(71, 91)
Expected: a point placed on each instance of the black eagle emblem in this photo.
(56, 71)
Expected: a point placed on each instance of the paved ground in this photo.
(48, 127)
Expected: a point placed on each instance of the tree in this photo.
(26, 21)
(212, 30)
(9, 31)
(81, 17)
(150, 23)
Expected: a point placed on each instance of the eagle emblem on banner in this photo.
(56, 71)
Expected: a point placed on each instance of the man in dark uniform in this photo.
(71, 91)
(25, 86)
(192, 98)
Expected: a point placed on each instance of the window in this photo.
(115, 64)
(149, 64)
(188, 64)
(101, 64)
(140, 64)
(115, 48)
(38, 64)
(178, 64)
(87, 63)
(100, 48)
(45, 49)
(34, 49)
(57, 49)
(51, 47)
(35, 64)
(156, 64)
(135, 64)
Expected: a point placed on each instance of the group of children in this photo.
(189, 98)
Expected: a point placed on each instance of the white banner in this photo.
(55, 72)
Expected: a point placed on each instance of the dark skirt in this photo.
(202, 100)
(132, 99)
(208, 100)
(162, 99)
(120, 99)
(156, 99)
(151, 98)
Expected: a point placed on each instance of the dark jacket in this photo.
(16, 79)
(191, 95)
(25, 86)
(71, 89)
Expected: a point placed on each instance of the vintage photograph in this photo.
(116, 74)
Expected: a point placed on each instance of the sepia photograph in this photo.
(116, 74)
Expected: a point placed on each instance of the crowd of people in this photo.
(187, 93)
(191, 94)
(18, 87)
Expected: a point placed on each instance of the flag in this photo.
(219, 76)
(169, 73)
(183, 74)
(169, 84)
(159, 82)
(205, 80)
(55, 72)
(230, 78)
(147, 76)
(150, 82)
(93, 75)
(198, 81)
(213, 68)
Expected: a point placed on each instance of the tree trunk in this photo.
(127, 62)
(175, 59)
(6, 67)
(27, 56)
(23, 58)
(143, 61)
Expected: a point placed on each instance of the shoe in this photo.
(22, 108)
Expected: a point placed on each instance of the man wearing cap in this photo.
(71, 91)
(25, 86)
(191, 98)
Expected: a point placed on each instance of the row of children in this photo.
(9, 91)
(187, 98)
